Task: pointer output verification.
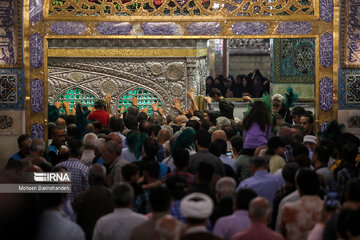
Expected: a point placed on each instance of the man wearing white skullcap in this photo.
(196, 208)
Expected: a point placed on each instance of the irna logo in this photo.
(52, 177)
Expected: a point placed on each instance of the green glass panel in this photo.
(145, 99)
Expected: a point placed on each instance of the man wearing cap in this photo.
(100, 114)
(310, 142)
(196, 208)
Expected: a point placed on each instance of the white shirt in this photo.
(292, 197)
(54, 226)
(128, 155)
(117, 225)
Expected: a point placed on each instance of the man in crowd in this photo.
(259, 213)
(159, 204)
(113, 162)
(95, 202)
(262, 182)
(227, 227)
(202, 142)
(79, 172)
(307, 122)
(299, 217)
(24, 142)
(120, 223)
(58, 140)
(196, 208)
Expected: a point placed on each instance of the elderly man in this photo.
(225, 193)
(119, 223)
(259, 213)
(89, 146)
(113, 161)
(36, 152)
(86, 204)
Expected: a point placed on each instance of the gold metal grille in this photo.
(180, 8)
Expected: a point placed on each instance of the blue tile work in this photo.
(327, 10)
(68, 28)
(12, 89)
(114, 28)
(349, 89)
(294, 28)
(326, 94)
(204, 28)
(158, 28)
(249, 28)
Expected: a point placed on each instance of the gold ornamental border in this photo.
(114, 52)
(43, 27)
(181, 10)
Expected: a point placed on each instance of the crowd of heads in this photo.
(194, 168)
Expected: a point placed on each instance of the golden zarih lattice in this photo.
(180, 8)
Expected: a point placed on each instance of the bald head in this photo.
(168, 228)
(259, 209)
(163, 136)
(61, 122)
(115, 137)
(218, 134)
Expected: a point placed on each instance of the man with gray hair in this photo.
(98, 150)
(119, 223)
(222, 122)
(86, 204)
(113, 162)
(259, 213)
(89, 146)
(35, 156)
(225, 193)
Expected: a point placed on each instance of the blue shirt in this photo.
(17, 156)
(263, 183)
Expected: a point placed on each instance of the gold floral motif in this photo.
(178, 8)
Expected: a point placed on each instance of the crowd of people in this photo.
(253, 85)
(197, 175)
